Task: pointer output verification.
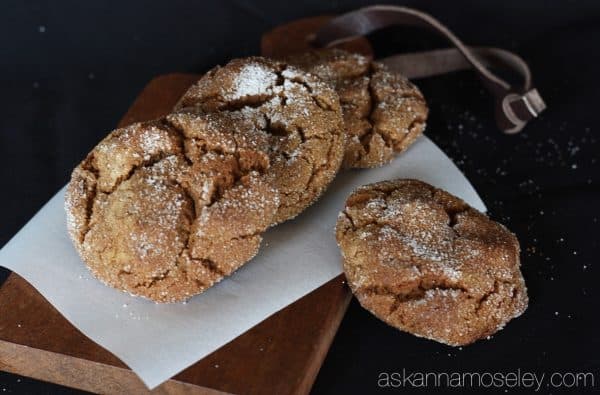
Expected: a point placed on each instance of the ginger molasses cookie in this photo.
(300, 114)
(167, 208)
(427, 263)
(383, 112)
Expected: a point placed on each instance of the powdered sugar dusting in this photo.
(152, 141)
(418, 245)
(252, 80)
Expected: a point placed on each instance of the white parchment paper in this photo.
(295, 258)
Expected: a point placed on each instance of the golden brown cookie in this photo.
(383, 112)
(300, 113)
(167, 208)
(425, 262)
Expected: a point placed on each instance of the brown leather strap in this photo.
(515, 106)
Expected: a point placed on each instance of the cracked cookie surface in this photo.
(300, 114)
(165, 209)
(384, 113)
(425, 262)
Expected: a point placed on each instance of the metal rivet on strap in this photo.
(534, 102)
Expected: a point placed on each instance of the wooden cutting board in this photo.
(281, 355)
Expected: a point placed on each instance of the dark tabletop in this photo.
(70, 69)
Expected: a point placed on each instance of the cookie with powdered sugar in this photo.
(167, 208)
(300, 113)
(427, 263)
(384, 113)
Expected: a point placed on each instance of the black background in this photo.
(70, 69)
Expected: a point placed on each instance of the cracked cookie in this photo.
(300, 113)
(427, 263)
(383, 112)
(165, 209)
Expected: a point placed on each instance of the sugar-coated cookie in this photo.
(165, 209)
(425, 262)
(383, 112)
(300, 113)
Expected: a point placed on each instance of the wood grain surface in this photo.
(281, 355)
(296, 37)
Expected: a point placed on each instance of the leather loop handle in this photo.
(514, 106)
